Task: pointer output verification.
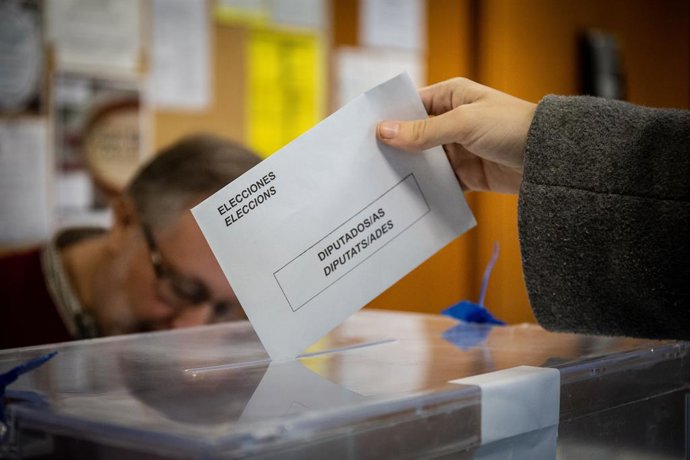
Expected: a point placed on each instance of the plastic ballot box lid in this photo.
(381, 385)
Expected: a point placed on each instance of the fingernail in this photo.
(389, 129)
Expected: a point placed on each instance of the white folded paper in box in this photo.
(327, 223)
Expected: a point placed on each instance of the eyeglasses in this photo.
(179, 290)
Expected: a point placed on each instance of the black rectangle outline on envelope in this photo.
(428, 210)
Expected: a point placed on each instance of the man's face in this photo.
(170, 281)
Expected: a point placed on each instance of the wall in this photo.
(524, 47)
(527, 48)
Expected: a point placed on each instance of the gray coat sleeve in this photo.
(604, 218)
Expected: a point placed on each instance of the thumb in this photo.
(422, 134)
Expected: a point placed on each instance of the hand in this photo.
(482, 130)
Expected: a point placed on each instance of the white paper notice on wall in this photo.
(327, 223)
(102, 36)
(393, 24)
(24, 180)
(180, 55)
(358, 69)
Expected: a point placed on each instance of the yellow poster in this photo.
(285, 87)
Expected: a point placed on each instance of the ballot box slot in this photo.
(265, 362)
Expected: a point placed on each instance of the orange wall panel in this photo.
(529, 49)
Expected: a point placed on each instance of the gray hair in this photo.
(185, 173)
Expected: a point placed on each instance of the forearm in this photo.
(604, 218)
(609, 147)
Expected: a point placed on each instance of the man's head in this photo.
(184, 174)
(160, 272)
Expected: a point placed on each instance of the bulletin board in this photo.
(225, 114)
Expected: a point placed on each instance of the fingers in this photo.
(445, 96)
(422, 134)
(444, 99)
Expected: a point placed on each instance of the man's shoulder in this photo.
(28, 315)
(16, 265)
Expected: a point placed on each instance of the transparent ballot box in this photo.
(381, 385)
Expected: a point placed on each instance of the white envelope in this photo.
(327, 223)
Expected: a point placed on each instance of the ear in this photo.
(124, 211)
(124, 219)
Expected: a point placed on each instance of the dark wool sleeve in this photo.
(604, 218)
